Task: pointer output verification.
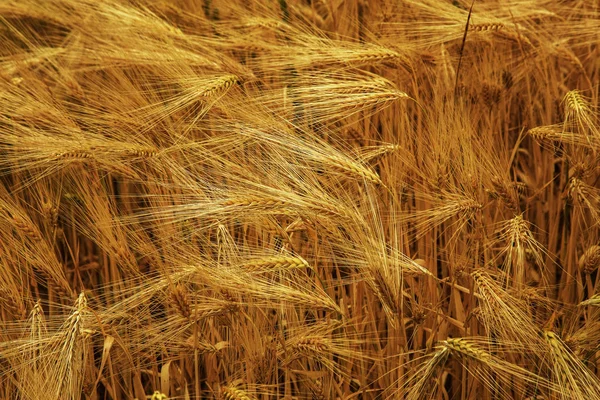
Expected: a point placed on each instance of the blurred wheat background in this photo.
(299, 199)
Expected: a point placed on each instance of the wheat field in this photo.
(299, 199)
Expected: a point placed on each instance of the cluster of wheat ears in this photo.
(299, 199)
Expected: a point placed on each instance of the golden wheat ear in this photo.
(419, 382)
(585, 198)
(68, 355)
(29, 366)
(518, 247)
(579, 114)
(492, 368)
(234, 393)
(552, 135)
(502, 314)
(572, 377)
(456, 209)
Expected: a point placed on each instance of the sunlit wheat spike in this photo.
(486, 363)
(329, 97)
(421, 382)
(321, 343)
(584, 341)
(31, 368)
(140, 152)
(546, 133)
(585, 197)
(287, 206)
(374, 154)
(275, 263)
(313, 50)
(181, 95)
(233, 393)
(256, 202)
(465, 348)
(311, 345)
(376, 55)
(442, 210)
(38, 328)
(74, 155)
(486, 27)
(307, 296)
(69, 371)
(352, 168)
(572, 376)
(220, 84)
(553, 134)
(159, 396)
(502, 314)
(519, 244)
(21, 222)
(575, 103)
(592, 301)
(580, 116)
(386, 290)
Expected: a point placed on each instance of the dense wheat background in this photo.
(299, 199)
